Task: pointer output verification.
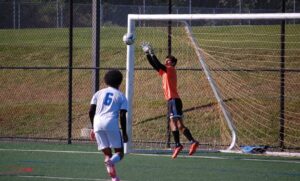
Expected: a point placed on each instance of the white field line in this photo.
(225, 158)
(64, 178)
(158, 155)
(51, 151)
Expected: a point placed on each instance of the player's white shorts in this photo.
(108, 139)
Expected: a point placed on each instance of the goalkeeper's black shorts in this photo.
(175, 108)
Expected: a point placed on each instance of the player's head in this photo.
(171, 60)
(113, 78)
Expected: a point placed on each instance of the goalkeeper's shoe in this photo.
(176, 151)
(110, 167)
(193, 147)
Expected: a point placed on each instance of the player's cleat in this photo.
(110, 167)
(115, 179)
(193, 147)
(177, 150)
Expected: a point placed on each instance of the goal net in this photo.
(238, 78)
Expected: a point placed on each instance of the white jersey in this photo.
(109, 101)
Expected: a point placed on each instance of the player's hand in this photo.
(92, 135)
(146, 47)
(125, 138)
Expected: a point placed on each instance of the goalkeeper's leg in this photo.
(186, 132)
(175, 132)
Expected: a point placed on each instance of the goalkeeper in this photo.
(108, 106)
(169, 84)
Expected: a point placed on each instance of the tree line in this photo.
(54, 13)
(245, 4)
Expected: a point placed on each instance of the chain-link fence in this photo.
(34, 63)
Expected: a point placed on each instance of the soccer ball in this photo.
(128, 38)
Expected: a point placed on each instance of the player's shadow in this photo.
(207, 106)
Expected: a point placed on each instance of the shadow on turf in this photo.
(185, 110)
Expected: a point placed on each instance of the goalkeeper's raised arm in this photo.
(152, 59)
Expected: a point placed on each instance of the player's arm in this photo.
(155, 63)
(152, 59)
(123, 124)
(92, 113)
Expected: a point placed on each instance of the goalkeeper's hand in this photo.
(92, 135)
(146, 47)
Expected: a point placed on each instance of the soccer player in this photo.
(109, 105)
(169, 83)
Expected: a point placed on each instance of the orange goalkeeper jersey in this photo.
(169, 82)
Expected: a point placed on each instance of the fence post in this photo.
(14, 14)
(19, 15)
(61, 16)
(70, 88)
(96, 43)
(169, 53)
(57, 14)
(282, 81)
(170, 30)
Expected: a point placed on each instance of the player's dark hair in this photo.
(173, 59)
(113, 78)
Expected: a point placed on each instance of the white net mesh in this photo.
(245, 63)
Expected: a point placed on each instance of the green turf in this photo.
(36, 161)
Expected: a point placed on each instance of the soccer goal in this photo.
(238, 77)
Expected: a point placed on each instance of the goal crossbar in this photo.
(213, 16)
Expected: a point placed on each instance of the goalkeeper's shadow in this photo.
(206, 106)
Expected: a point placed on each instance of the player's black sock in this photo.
(188, 134)
(176, 138)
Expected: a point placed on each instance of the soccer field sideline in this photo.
(64, 178)
(159, 155)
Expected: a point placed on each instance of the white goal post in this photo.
(132, 18)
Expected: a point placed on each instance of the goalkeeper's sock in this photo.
(176, 138)
(188, 135)
(115, 158)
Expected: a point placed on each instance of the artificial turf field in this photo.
(22, 161)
